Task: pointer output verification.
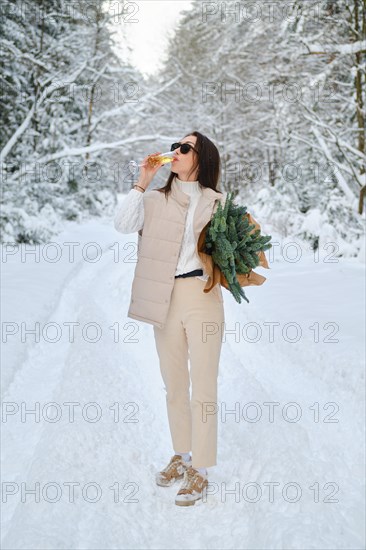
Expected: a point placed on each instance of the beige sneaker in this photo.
(193, 488)
(175, 470)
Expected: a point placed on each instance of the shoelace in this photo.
(168, 469)
(190, 476)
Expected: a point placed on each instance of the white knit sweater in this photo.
(130, 218)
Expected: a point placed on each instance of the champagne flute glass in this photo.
(153, 160)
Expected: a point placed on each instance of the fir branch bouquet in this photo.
(233, 244)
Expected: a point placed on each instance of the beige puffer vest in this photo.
(159, 244)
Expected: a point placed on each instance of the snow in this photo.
(320, 376)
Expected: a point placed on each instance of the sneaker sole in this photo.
(186, 502)
(191, 502)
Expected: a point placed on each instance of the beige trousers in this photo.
(193, 331)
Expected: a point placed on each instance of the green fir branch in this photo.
(233, 244)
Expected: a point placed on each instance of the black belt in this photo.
(190, 274)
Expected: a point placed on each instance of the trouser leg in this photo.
(172, 348)
(203, 322)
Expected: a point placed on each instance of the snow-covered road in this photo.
(78, 471)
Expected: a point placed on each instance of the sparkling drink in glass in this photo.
(154, 160)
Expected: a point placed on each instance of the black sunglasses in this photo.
(184, 147)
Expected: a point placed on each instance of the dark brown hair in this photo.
(208, 163)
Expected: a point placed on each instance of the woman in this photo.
(167, 291)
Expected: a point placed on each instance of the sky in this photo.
(145, 24)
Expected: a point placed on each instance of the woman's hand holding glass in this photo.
(150, 166)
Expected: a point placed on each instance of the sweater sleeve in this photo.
(129, 216)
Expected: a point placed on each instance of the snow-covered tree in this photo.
(279, 87)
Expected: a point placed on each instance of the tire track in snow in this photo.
(127, 452)
(39, 378)
(303, 452)
(106, 451)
